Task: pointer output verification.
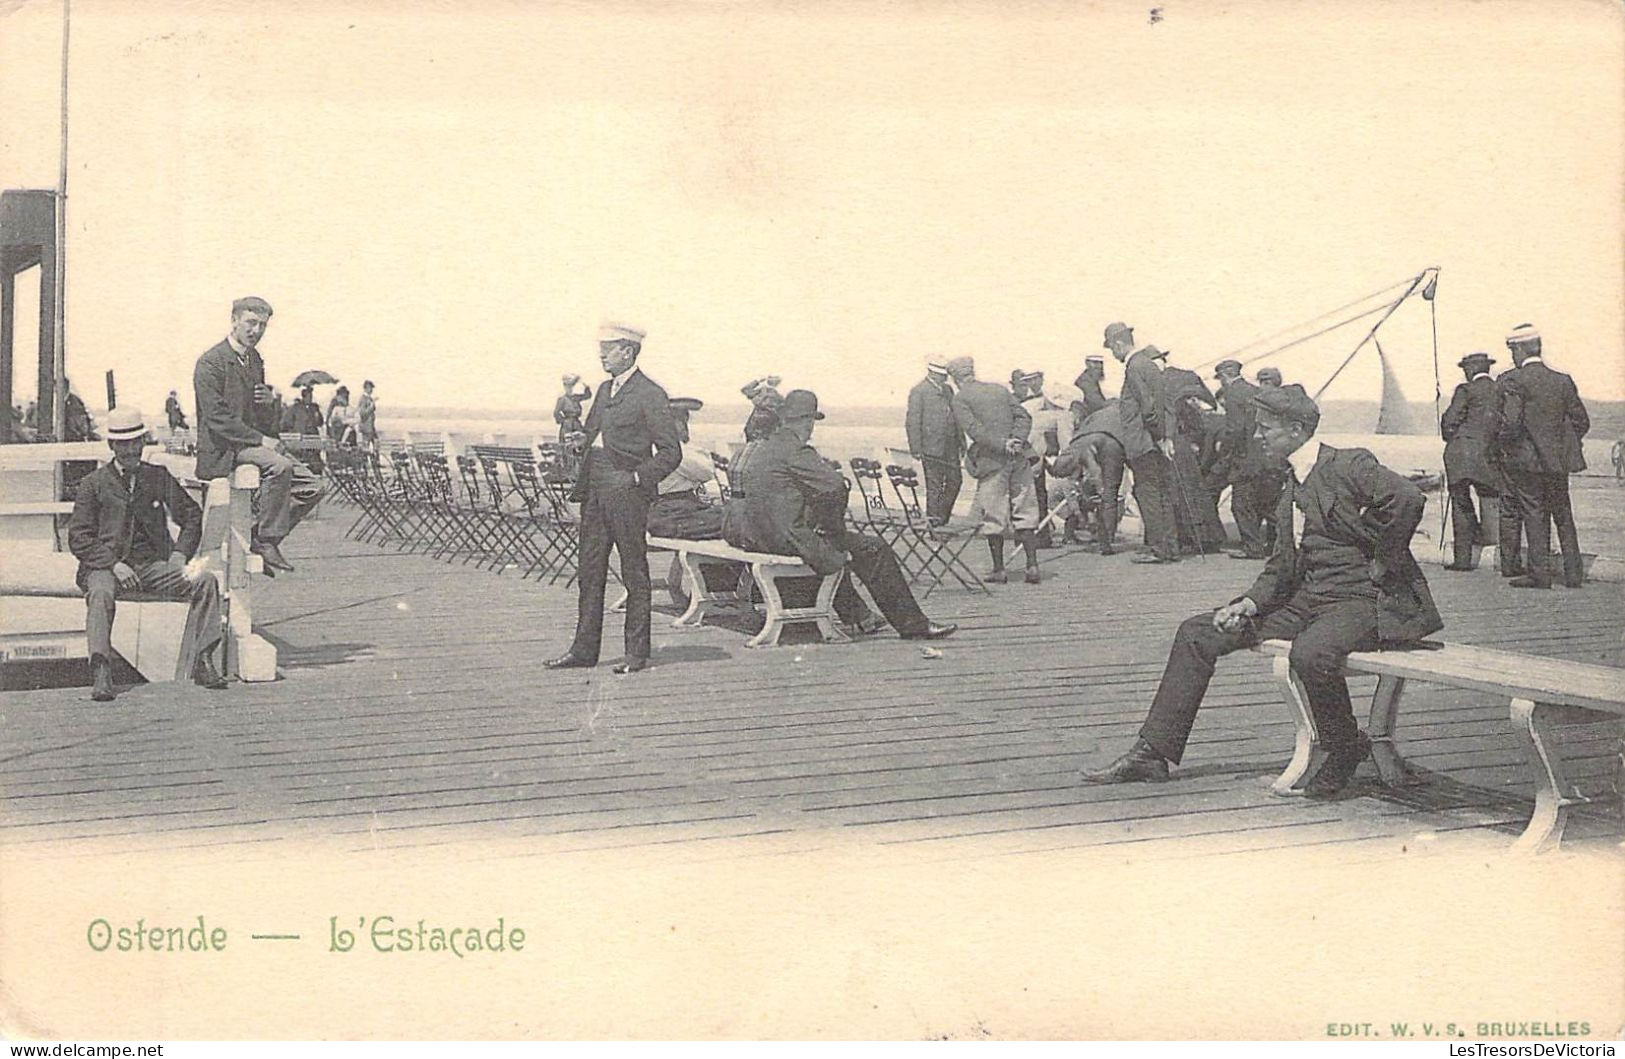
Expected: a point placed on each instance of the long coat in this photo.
(1367, 514)
(990, 415)
(1542, 421)
(1468, 427)
(638, 432)
(1094, 399)
(1141, 405)
(105, 513)
(791, 494)
(228, 420)
(1240, 454)
(930, 423)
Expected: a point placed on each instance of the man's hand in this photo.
(1014, 446)
(1167, 447)
(1232, 617)
(263, 394)
(126, 576)
(177, 560)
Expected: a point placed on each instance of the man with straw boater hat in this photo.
(119, 532)
(1468, 429)
(936, 440)
(632, 419)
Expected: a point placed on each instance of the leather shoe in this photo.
(1151, 557)
(569, 661)
(933, 631)
(101, 678)
(1142, 764)
(1106, 549)
(272, 555)
(1033, 576)
(1338, 768)
(1529, 582)
(205, 676)
(1572, 584)
(1512, 571)
(870, 625)
(1460, 568)
(631, 665)
(997, 577)
(1247, 555)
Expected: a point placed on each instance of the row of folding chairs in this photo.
(928, 552)
(502, 509)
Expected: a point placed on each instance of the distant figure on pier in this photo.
(1195, 507)
(173, 412)
(567, 408)
(1255, 486)
(238, 424)
(1542, 424)
(1269, 377)
(764, 399)
(1006, 502)
(366, 414)
(1094, 373)
(795, 504)
(304, 417)
(119, 532)
(1096, 455)
(76, 422)
(1146, 440)
(1341, 579)
(341, 419)
(1468, 427)
(631, 414)
(935, 440)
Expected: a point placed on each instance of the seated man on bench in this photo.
(1342, 580)
(795, 504)
(119, 532)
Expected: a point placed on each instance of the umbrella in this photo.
(312, 378)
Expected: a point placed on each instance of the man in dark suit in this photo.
(795, 504)
(1542, 422)
(1146, 441)
(936, 440)
(1341, 579)
(238, 422)
(1089, 381)
(1096, 453)
(1468, 428)
(119, 532)
(1006, 501)
(1254, 486)
(618, 481)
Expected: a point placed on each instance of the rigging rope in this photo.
(1409, 280)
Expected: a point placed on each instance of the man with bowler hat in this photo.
(1542, 423)
(1341, 579)
(934, 438)
(1468, 429)
(1146, 442)
(119, 532)
(631, 415)
(795, 504)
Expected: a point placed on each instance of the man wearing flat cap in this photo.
(119, 532)
(1341, 579)
(935, 440)
(1089, 381)
(1468, 429)
(238, 422)
(1542, 423)
(1254, 485)
(1006, 501)
(1269, 377)
(1146, 440)
(795, 504)
(619, 478)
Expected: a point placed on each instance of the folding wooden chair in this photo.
(882, 521)
(942, 547)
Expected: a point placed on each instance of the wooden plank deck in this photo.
(415, 714)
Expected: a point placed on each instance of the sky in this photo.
(449, 199)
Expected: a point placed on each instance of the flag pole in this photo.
(59, 294)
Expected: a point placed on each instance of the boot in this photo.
(204, 675)
(101, 678)
(1338, 769)
(1142, 764)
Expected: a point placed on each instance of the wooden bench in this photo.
(767, 570)
(1545, 693)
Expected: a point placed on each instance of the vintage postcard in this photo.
(922, 520)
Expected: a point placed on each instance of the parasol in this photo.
(312, 378)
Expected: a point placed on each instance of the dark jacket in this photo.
(1104, 423)
(1094, 399)
(990, 415)
(228, 420)
(1542, 421)
(101, 529)
(1468, 428)
(930, 423)
(638, 433)
(794, 504)
(1240, 455)
(302, 418)
(1141, 405)
(1358, 518)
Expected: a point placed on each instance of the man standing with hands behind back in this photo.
(632, 416)
(237, 423)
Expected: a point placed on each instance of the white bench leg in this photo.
(1536, 724)
(700, 596)
(826, 605)
(774, 603)
(1384, 711)
(1307, 756)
